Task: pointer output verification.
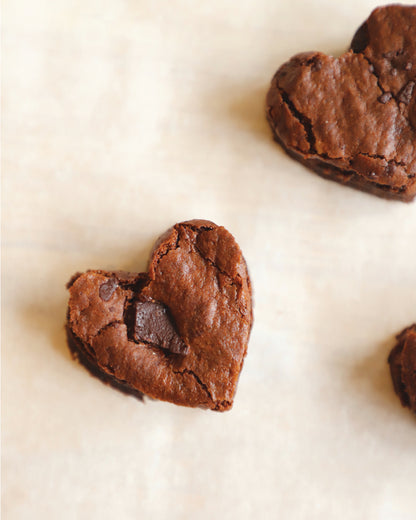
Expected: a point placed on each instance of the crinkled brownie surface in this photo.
(352, 119)
(179, 332)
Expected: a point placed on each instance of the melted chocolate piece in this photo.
(107, 289)
(154, 325)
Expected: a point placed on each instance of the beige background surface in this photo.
(121, 118)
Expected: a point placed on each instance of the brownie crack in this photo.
(404, 94)
(373, 71)
(197, 228)
(168, 250)
(302, 118)
(347, 159)
(383, 158)
(108, 326)
(236, 282)
(197, 379)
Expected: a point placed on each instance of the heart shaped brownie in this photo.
(179, 332)
(353, 119)
(402, 362)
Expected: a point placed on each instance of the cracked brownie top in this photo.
(178, 332)
(353, 118)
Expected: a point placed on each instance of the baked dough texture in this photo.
(352, 119)
(178, 332)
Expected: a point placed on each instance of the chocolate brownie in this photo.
(352, 119)
(402, 360)
(179, 332)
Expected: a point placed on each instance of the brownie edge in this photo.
(402, 361)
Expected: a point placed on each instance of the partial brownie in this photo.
(179, 332)
(353, 119)
(402, 362)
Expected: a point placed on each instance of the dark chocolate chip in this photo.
(107, 289)
(154, 325)
(384, 98)
(405, 94)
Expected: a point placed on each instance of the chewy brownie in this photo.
(353, 119)
(179, 332)
(402, 360)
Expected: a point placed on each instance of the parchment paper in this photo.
(121, 118)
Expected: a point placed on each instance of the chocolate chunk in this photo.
(405, 94)
(154, 325)
(384, 98)
(107, 289)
